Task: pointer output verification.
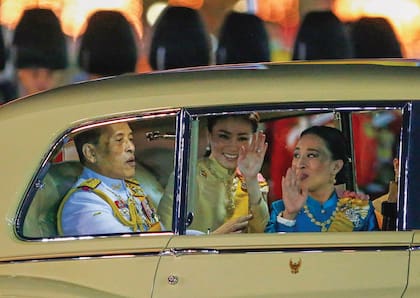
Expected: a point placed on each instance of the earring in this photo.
(208, 151)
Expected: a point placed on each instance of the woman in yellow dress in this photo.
(231, 194)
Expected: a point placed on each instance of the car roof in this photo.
(29, 125)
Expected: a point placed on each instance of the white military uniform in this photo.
(101, 205)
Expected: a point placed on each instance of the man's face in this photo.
(113, 156)
(34, 80)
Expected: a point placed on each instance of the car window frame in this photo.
(36, 181)
(345, 108)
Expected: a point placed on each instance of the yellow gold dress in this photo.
(220, 195)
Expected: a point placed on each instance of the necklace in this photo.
(323, 224)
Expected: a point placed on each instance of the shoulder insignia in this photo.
(91, 183)
(132, 181)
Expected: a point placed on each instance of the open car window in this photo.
(153, 137)
(373, 136)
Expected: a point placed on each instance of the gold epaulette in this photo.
(91, 183)
(132, 181)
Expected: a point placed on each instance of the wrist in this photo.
(288, 215)
(285, 221)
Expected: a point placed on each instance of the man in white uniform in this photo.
(106, 199)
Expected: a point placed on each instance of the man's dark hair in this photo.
(90, 136)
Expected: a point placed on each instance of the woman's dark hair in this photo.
(322, 36)
(243, 38)
(336, 143)
(253, 118)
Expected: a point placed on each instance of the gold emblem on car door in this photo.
(295, 265)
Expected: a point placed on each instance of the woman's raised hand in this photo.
(294, 197)
(251, 157)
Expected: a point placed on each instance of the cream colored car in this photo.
(167, 111)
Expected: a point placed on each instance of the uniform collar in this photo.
(331, 202)
(114, 184)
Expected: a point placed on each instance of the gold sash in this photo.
(241, 199)
(137, 222)
(349, 211)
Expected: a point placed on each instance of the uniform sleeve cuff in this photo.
(284, 221)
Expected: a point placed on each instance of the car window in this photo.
(373, 134)
(374, 139)
(153, 143)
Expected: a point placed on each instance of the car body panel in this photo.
(85, 267)
(351, 262)
(413, 287)
(369, 264)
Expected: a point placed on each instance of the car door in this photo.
(414, 271)
(37, 260)
(350, 264)
(365, 264)
(412, 205)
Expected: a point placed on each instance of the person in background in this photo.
(108, 47)
(322, 35)
(243, 38)
(310, 202)
(40, 51)
(231, 193)
(106, 199)
(386, 205)
(179, 39)
(7, 87)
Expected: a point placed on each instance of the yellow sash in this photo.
(241, 199)
(148, 222)
(342, 221)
